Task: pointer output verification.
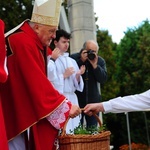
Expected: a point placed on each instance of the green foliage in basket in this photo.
(92, 130)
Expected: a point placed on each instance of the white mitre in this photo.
(46, 12)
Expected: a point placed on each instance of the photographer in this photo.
(95, 73)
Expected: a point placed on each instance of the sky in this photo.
(117, 16)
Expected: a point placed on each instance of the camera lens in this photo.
(91, 55)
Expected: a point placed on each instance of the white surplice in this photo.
(137, 102)
(66, 86)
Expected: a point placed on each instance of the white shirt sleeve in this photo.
(79, 85)
(137, 102)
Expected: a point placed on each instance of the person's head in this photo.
(89, 50)
(45, 19)
(91, 45)
(62, 40)
(44, 32)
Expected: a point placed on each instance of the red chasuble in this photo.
(3, 74)
(3, 139)
(28, 97)
(3, 77)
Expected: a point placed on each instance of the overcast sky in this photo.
(118, 15)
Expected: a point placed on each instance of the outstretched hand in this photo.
(93, 108)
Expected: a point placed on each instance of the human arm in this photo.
(80, 72)
(76, 77)
(137, 102)
(100, 72)
(65, 110)
(81, 65)
(98, 64)
(77, 58)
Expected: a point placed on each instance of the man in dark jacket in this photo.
(95, 73)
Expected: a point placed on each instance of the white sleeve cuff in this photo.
(107, 106)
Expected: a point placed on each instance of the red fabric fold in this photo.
(3, 74)
(3, 77)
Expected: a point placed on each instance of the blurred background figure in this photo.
(95, 73)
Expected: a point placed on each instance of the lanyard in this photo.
(86, 82)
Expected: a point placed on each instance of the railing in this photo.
(128, 128)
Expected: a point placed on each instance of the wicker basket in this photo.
(99, 141)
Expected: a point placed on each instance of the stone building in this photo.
(80, 22)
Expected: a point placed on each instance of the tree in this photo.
(107, 51)
(13, 12)
(133, 63)
(132, 76)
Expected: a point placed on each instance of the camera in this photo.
(91, 54)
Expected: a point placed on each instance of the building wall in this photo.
(81, 22)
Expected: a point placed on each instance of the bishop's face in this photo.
(46, 34)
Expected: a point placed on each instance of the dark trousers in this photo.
(90, 120)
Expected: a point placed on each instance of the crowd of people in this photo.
(39, 91)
